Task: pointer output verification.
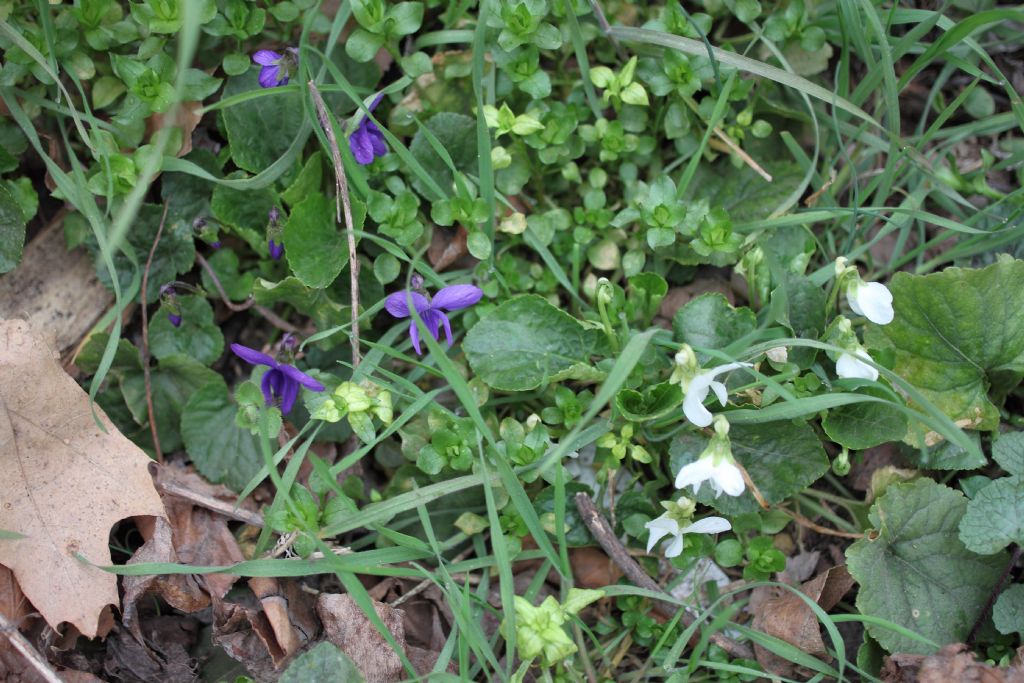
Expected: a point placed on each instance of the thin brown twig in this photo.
(275, 320)
(21, 644)
(342, 205)
(803, 521)
(210, 503)
(426, 583)
(145, 339)
(599, 527)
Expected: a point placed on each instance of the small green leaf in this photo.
(479, 245)
(995, 517)
(1008, 612)
(654, 402)
(386, 268)
(220, 450)
(12, 231)
(912, 568)
(1008, 451)
(457, 134)
(307, 182)
(863, 425)
(527, 342)
(362, 45)
(236, 63)
(782, 459)
(198, 336)
(325, 663)
(709, 321)
(105, 90)
(237, 285)
(315, 245)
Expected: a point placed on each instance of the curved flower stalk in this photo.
(281, 381)
(678, 521)
(431, 311)
(873, 300)
(697, 384)
(715, 465)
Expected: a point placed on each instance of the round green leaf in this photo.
(1008, 612)
(220, 450)
(198, 336)
(526, 342)
(782, 459)
(236, 63)
(709, 321)
(325, 663)
(914, 571)
(995, 516)
(260, 130)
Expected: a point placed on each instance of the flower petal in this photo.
(694, 474)
(447, 327)
(728, 479)
(432, 319)
(361, 145)
(397, 303)
(659, 528)
(268, 76)
(376, 101)
(694, 410)
(720, 391)
(849, 366)
(253, 356)
(298, 376)
(377, 143)
(708, 525)
(267, 57)
(267, 385)
(675, 548)
(873, 300)
(289, 392)
(414, 335)
(454, 297)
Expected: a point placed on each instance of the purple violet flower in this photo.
(175, 319)
(280, 381)
(215, 245)
(275, 68)
(366, 141)
(451, 298)
(275, 249)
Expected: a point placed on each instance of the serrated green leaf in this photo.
(198, 336)
(782, 459)
(174, 380)
(914, 571)
(316, 246)
(944, 341)
(259, 130)
(995, 517)
(12, 231)
(863, 425)
(220, 450)
(525, 343)
(709, 321)
(1008, 451)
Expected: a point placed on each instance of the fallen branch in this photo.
(601, 530)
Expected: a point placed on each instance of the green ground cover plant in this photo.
(526, 340)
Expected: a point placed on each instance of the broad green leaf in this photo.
(12, 231)
(709, 321)
(1008, 612)
(198, 336)
(316, 246)
(782, 459)
(914, 571)
(863, 425)
(995, 516)
(653, 402)
(325, 663)
(950, 456)
(244, 212)
(801, 308)
(944, 339)
(260, 130)
(174, 380)
(307, 182)
(457, 134)
(220, 450)
(1008, 451)
(526, 342)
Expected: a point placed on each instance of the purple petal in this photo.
(377, 143)
(275, 249)
(361, 145)
(175, 319)
(268, 76)
(454, 297)
(267, 58)
(376, 101)
(447, 327)
(432, 319)
(299, 377)
(253, 356)
(414, 335)
(397, 303)
(289, 391)
(269, 386)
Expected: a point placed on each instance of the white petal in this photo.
(708, 525)
(693, 474)
(721, 392)
(849, 366)
(729, 479)
(675, 548)
(659, 528)
(694, 410)
(873, 300)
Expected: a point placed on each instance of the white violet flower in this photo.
(873, 300)
(715, 465)
(697, 390)
(677, 521)
(851, 366)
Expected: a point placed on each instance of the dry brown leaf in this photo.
(64, 483)
(289, 611)
(187, 117)
(783, 614)
(952, 664)
(447, 247)
(592, 568)
(347, 626)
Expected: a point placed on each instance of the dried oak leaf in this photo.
(64, 483)
(952, 664)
